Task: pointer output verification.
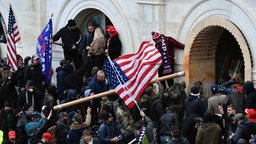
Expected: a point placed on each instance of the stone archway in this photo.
(200, 65)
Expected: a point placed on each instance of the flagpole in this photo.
(107, 93)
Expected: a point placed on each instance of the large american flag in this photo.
(13, 37)
(130, 74)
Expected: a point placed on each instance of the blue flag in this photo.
(44, 49)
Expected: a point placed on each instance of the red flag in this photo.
(130, 74)
(13, 37)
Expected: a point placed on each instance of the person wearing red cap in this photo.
(11, 137)
(46, 139)
(114, 45)
(166, 45)
(237, 99)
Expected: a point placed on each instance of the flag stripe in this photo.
(140, 68)
(13, 37)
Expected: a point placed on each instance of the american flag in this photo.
(130, 74)
(13, 37)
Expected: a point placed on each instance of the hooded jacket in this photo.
(210, 130)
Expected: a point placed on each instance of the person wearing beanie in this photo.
(193, 104)
(215, 100)
(114, 45)
(70, 36)
(78, 126)
(166, 46)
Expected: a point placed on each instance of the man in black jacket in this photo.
(70, 37)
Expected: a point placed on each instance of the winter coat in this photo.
(61, 132)
(38, 97)
(209, 133)
(107, 131)
(68, 37)
(188, 128)
(237, 99)
(214, 101)
(124, 118)
(166, 122)
(114, 47)
(244, 130)
(75, 133)
(250, 93)
(194, 105)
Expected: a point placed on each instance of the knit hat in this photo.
(12, 134)
(155, 35)
(48, 136)
(71, 23)
(111, 29)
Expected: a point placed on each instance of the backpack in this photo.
(52, 130)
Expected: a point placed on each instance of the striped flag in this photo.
(44, 49)
(130, 74)
(13, 36)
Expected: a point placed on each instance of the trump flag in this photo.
(44, 49)
(130, 74)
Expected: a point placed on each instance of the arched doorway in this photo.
(215, 50)
(215, 56)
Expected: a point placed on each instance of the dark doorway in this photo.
(229, 59)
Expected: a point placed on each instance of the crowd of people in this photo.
(164, 114)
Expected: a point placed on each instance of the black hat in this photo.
(71, 23)
(30, 83)
(195, 89)
(63, 62)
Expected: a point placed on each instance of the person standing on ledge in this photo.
(70, 36)
(166, 45)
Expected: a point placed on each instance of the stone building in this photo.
(219, 35)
